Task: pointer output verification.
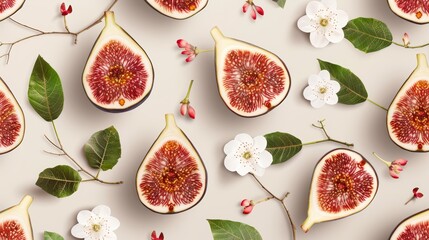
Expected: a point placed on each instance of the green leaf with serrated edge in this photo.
(282, 146)
(368, 34)
(103, 149)
(60, 181)
(229, 230)
(281, 3)
(45, 91)
(52, 236)
(352, 89)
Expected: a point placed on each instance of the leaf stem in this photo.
(412, 47)
(65, 153)
(376, 104)
(328, 138)
(41, 33)
(281, 200)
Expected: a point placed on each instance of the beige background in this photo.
(383, 73)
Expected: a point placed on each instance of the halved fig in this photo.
(408, 114)
(344, 183)
(416, 11)
(15, 221)
(172, 177)
(118, 75)
(251, 81)
(12, 122)
(9, 7)
(178, 9)
(414, 227)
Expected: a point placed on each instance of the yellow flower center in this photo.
(322, 90)
(96, 227)
(247, 155)
(324, 22)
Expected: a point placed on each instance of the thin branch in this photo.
(41, 33)
(56, 154)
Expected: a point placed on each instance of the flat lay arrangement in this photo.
(224, 120)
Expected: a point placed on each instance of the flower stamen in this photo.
(247, 155)
(96, 227)
(324, 22)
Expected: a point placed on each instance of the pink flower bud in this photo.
(183, 109)
(248, 209)
(401, 162)
(245, 6)
(182, 43)
(259, 10)
(191, 112)
(406, 40)
(245, 202)
(65, 11)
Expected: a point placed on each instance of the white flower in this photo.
(96, 225)
(324, 22)
(321, 89)
(245, 155)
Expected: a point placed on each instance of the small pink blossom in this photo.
(416, 195)
(254, 9)
(191, 112)
(247, 206)
(395, 167)
(190, 50)
(185, 104)
(154, 237)
(406, 40)
(65, 11)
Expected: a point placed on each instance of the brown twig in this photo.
(41, 33)
(281, 200)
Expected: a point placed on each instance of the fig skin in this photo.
(313, 175)
(14, 11)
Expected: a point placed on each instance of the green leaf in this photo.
(45, 92)
(60, 181)
(103, 149)
(229, 230)
(281, 3)
(282, 146)
(352, 89)
(52, 236)
(368, 34)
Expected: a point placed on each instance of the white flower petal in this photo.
(244, 138)
(306, 25)
(259, 171)
(342, 18)
(318, 39)
(317, 103)
(313, 8)
(259, 144)
(331, 99)
(314, 80)
(332, 4)
(324, 74)
(231, 163)
(113, 223)
(335, 86)
(265, 159)
(309, 94)
(231, 146)
(83, 217)
(242, 170)
(111, 236)
(334, 35)
(102, 211)
(78, 231)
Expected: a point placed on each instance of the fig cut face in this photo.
(15, 222)
(178, 9)
(416, 11)
(408, 114)
(414, 227)
(12, 122)
(9, 7)
(343, 184)
(251, 81)
(172, 177)
(118, 75)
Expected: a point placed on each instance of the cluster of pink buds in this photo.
(247, 206)
(395, 167)
(65, 11)
(185, 104)
(416, 195)
(154, 237)
(254, 9)
(189, 49)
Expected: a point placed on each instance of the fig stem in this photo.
(381, 159)
(41, 33)
(328, 138)
(281, 200)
